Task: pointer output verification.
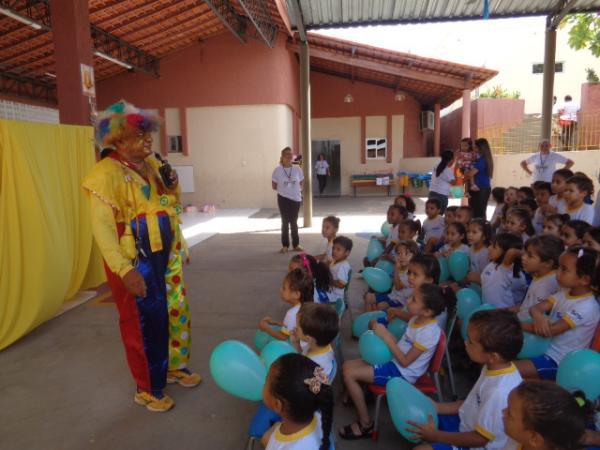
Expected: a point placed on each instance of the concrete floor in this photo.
(66, 386)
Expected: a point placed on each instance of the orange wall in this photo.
(328, 92)
(220, 71)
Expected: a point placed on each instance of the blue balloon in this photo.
(377, 279)
(387, 266)
(361, 323)
(580, 370)
(238, 370)
(373, 350)
(467, 301)
(533, 346)
(459, 265)
(386, 229)
(407, 403)
(374, 250)
(465, 322)
(476, 288)
(273, 350)
(261, 338)
(444, 270)
(397, 327)
(456, 191)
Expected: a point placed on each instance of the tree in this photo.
(585, 32)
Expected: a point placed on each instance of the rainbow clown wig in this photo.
(121, 120)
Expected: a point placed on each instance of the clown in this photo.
(135, 211)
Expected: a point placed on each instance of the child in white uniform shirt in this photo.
(411, 353)
(456, 240)
(317, 270)
(434, 225)
(573, 231)
(479, 233)
(573, 313)
(406, 201)
(556, 203)
(297, 288)
(494, 340)
(553, 224)
(329, 229)
(540, 260)
(503, 284)
(578, 188)
(297, 389)
(405, 250)
(542, 191)
(543, 416)
(340, 267)
(518, 222)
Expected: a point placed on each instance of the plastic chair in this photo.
(346, 288)
(595, 345)
(449, 330)
(428, 383)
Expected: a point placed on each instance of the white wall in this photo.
(234, 151)
(347, 131)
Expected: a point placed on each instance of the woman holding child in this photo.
(481, 178)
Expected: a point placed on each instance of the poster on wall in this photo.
(88, 85)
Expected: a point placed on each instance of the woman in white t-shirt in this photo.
(322, 169)
(442, 178)
(288, 181)
(544, 163)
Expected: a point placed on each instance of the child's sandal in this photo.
(348, 433)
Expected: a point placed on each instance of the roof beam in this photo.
(23, 86)
(563, 9)
(260, 16)
(443, 80)
(297, 18)
(225, 11)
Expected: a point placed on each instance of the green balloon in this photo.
(444, 270)
(459, 265)
(361, 323)
(273, 350)
(373, 350)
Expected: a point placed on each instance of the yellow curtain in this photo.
(46, 247)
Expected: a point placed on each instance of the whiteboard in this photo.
(186, 178)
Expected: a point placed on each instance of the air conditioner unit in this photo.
(427, 120)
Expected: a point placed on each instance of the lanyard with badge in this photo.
(289, 176)
(542, 165)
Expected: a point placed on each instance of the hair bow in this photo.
(319, 378)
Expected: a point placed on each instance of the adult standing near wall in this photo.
(322, 169)
(567, 118)
(442, 178)
(481, 173)
(134, 220)
(288, 181)
(544, 162)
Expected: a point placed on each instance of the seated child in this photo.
(502, 281)
(318, 271)
(510, 201)
(518, 222)
(573, 313)
(529, 205)
(405, 200)
(498, 196)
(297, 288)
(455, 239)
(412, 354)
(329, 230)
(297, 390)
(525, 192)
(556, 203)
(395, 215)
(318, 326)
(464, 214)
(408, 230)
(573, 231)
(578, 188)
(340, 267)
(494, 340)
(543, 191)
(591, 238)
(540, 260)
(543, 415)
(479, 233)
(553, 224)
(405, 251)
(433, 226)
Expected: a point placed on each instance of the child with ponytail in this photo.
(318, 270)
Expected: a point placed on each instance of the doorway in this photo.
(331, 150)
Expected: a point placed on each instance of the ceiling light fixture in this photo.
(112, 60)
(399, 96)
(348, 98)
(20, 18)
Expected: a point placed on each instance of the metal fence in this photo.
(525, 137)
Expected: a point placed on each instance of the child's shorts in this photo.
(451, 424)
(546, 367)
(380, 298)
(382, 373)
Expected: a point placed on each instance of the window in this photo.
(175, 144)
(539, 67)
(376, 148)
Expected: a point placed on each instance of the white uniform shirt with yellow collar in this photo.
(585, 212)
(482, 409)
(582, 314)
(433, 228)
(308, 438)
(324, 357)
(540, 289)
(560, 204)
(340, 271)
(500, 287)
(423, 337)
(289, 321)
(401, 295)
